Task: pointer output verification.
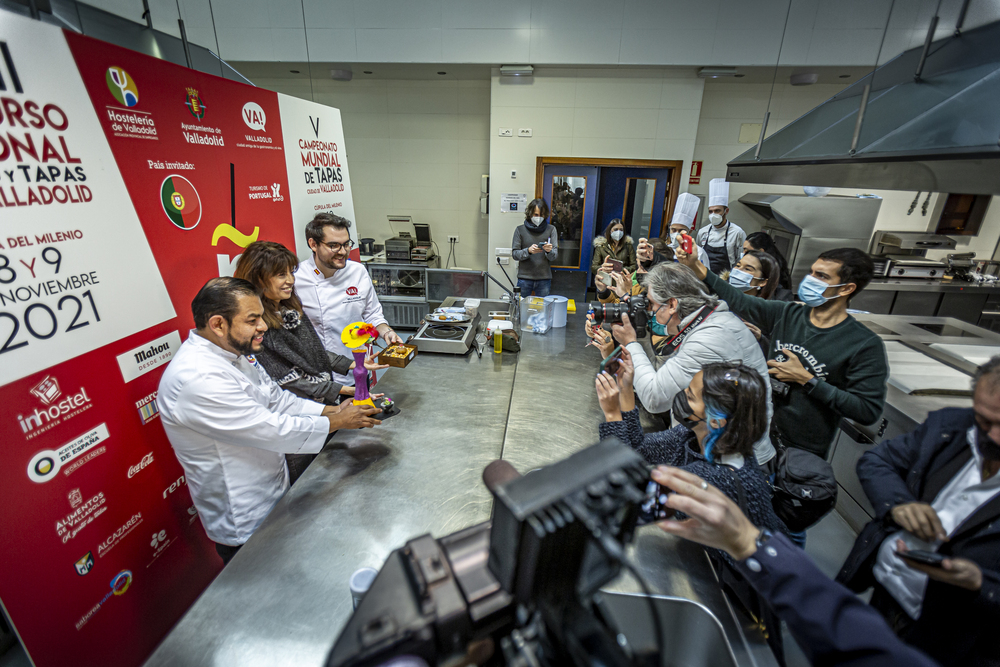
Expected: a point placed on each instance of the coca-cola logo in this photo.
(146, 460)
(352, 291)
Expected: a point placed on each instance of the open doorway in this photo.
(586, 194)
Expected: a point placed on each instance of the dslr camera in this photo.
(633, 306)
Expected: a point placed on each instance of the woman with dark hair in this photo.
(534, 249)
(762, 241)
(757, 274)
(722, 413)
(613, 245)
(292, 353)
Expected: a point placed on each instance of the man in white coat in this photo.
(720, 239)
(229, 424)
(335, 291)
(700, 330)
(685, 210)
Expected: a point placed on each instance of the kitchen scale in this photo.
(452, 337)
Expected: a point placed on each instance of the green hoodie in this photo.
(848, 359)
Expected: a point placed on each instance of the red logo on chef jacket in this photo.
(352, 291)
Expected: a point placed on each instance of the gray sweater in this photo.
(534, 267)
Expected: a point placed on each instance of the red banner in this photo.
(126, 182)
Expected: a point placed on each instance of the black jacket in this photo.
(956, 626)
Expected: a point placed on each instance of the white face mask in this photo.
(715, 218)
(617, 235)
(537, 219)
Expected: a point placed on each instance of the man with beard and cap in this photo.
(685, 210)
(721, 239)
(937, 489)
(229, 424)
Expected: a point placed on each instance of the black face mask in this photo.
(681, 410)
(646, 264)
(989, 450)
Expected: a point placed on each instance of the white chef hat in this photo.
(718, 192)
(685, 210)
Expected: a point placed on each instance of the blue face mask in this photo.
(740, 279)
(811, 291)
(655, 326)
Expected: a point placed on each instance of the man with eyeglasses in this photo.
(335, 292)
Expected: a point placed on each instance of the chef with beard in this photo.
(230, 426)
(721, 239)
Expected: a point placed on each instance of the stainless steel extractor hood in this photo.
(803, 227)
(934, 132)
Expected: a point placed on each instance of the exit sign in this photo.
(696, 172)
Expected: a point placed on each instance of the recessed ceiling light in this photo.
(442, 73)
(845, 76)
(294, 71)
(368, 71)
(739, 76)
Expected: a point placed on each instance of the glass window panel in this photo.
(638, 211)
(569, 197)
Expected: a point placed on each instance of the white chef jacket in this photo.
(230, 426)
(333, 303)
(956, 502)
(717, 235)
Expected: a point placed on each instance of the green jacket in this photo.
(624, 253)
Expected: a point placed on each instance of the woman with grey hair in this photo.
(699, 330)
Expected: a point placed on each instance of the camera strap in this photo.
(671, 344)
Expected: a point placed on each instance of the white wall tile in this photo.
(674, 46)
(367, 150)
(245, 44)
(620, 123)
(642, 14)
(353, 97)
(844, 47)
(424, 97)
(332, 45)
(399, 45)
(424, 150)
(541, 90)
(474, 126)
(329, 13)
(285, 14)
(748, 47)
(289, 44)
(616, 93)
(584, 47)
(850, 14)
(497, 14)
(613, 147)
(424, 126)
(359, 125)
(473, 151)
(232, 14)
(575, 15)
(462, 45)
(473, 101)
(674, 149)
(762, 15)
(412, 14)
(682, 93)
(406, 174)
(676, 124)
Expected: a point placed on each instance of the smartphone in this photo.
(616, 266)
(922, 557)
(611, 362)
(654, 507)
(687, 244)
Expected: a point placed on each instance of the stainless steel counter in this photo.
(284, 597)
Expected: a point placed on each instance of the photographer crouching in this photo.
(699, 330)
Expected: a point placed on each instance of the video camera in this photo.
(634, 306)
(522, 589)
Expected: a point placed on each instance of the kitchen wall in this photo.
(606, 113)
(414, 147)
(727, 105)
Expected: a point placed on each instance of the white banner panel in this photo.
(316, 159)
(76, 272)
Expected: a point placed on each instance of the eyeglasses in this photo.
(337, 247)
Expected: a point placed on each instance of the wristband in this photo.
(810, 385)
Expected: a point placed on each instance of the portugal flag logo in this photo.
(195, 104)
(180, 201)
